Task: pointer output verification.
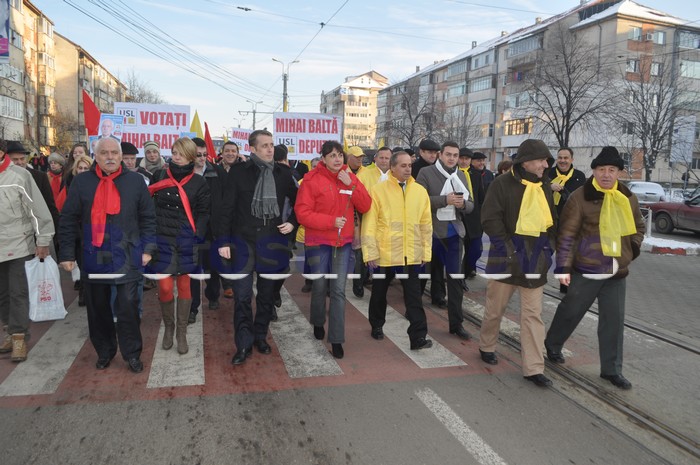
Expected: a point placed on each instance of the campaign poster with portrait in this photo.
(240, 137)
(305, 133)
(111, 126)
(92, 141)
(162, 124)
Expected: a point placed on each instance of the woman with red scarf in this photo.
(58, 187)
(182, 203)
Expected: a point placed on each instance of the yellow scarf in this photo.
(469, 182)
(561, 180)
(616, 220)
(535, 216)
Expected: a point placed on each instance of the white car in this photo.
(647, 192)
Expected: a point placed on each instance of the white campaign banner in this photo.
(160, 123)
(240, 137)
(305, 133)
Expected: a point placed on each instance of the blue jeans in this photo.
(325, 259)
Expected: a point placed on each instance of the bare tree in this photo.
(140, 91)
(568, 86)
(415, 119)
(655, 101)
(68, 131)
(458, 125)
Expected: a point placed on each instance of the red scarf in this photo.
(5, 163)
(107, 202)
(171, 182)
(59, 192)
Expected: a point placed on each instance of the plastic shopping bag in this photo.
(45, 294)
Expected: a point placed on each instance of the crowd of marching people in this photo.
(131, 225)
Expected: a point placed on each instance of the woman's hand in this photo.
(344, 177)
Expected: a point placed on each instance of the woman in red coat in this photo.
(325, 206)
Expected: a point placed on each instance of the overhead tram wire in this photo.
(152, 52)
(180, 50)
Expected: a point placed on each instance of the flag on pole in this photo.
(92, 115)
(196, 126)
(211, 151)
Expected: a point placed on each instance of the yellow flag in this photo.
(196, 126)
(345, 145)
(381, 143)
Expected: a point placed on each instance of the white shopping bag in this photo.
(45, 294)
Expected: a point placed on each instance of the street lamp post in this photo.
(255, 110)
(285, 77)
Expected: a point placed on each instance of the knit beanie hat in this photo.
(609, 156)
(532, 149)
(57, 158)
(151, 145)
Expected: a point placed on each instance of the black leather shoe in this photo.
(192, 318)
(440, 303)
(421, 343)
(274, 316)
(465, 288)
(461, 333)
(471, 274)
(488, 357)
(319, 332)
(554, 357)
(241, 356)
(102, 363)
(213, 305)
(618, 380)
(563, 288)
(278, 301)
(539, 380)
(263, 347)
(337, 350)
(306, 288)
(135, 365)
(378, 334)
(358, 291)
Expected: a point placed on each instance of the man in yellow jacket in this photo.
(396, 241)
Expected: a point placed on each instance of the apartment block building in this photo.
(495, 95)
(356, 101)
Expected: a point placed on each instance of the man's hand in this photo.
(344, 177)
(565, 279)
(557, 187)
(42, 251)
(456, 200)
(372, 264)
(68, 266)
(145, 258)
(285, 228)
(225, 252)
(340, 222)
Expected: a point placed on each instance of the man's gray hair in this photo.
(99, 143)
(394, 160)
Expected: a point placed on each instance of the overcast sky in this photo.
(166, 41)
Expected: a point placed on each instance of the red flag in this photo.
(211, 151)
(92, 114)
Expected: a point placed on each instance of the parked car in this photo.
(668, 216)
(647, 192)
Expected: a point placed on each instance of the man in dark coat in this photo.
(253, 234)
(479, 169)
(115, 210)
(519, 217)
(215, 176)
(428, 151)
(590, 244)
(472, 221)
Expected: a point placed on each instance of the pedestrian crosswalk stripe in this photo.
(395, 330)
(303, 356)
(169, 368)
(50, 358)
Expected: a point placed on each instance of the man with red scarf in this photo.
(118, 224)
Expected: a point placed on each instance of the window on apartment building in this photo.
(628, 128)
(17, 4)
(483, 83)
(16, 39)
(524, 45)
(635, 33)
(15, 75)
(456, 90)
(456, 68)
(487, 130)
(481, 60)
(695, 164)
(11, 108)
(632, 66)
(516, 127)
(690, 69)
(517, 100)
(482, 106)
(655, 69)
(626, 159)
(659, 37)
(687, 39)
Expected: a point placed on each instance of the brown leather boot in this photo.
(183, 314)
(19, 348)
(168, 311)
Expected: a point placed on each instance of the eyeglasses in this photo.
(200, 155)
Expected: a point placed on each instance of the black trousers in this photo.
(104, 332)
(212, 291)
(418, 325)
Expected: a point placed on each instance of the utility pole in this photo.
(285, 78)
(255, 110)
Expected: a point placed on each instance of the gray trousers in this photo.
(611, 318)
(14, 295)
(327, 259)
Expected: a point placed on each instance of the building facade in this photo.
(500, 92)
(356, 101)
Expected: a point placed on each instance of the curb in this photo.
(692, 250)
